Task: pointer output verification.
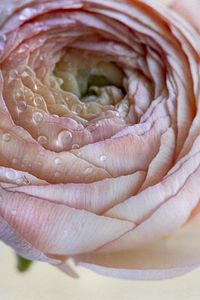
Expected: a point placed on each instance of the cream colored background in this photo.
(44, 282)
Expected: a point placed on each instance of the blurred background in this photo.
(45, 282)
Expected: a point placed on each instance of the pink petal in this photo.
(170, 216)
(120, 151)
(189, 10)
(58, 229)
(166, 258)
(10, 236)
(89, 196)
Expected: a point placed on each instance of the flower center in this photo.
(90, 77)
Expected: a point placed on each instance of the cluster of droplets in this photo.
(30, 100)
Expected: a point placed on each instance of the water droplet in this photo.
(42, 140)
(6, 137)
(38, 100)
(88, 171)
(27, 13)
(10, 174)
(122, 107)
(35, 87)
(75, 146)
(57, 174)
(64, 138)
(58, 161)
(55, 116)
(23, 48)
(13, 212)
(22, 105)
(103, 157)
(38, 117)
(24, 74)
(19, 180)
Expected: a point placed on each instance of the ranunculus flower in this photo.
(99, 134)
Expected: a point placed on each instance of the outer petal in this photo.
(189, 10)
(21, 246)
(58, 229)
(169, 257)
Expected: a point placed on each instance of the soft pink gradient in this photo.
(189, 10)
(115, 186)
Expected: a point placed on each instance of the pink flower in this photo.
(99, 134)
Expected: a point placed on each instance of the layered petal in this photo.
(99, 134)
(172, 256)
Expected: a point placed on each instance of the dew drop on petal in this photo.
(75, 146)
(6, 137)
(58, 161)
(38, 117)
(19, 180)
(103, 157)
(23, 48)
(10, 174)
(64, 138)
(26, 13)
(35, 87)
(24, 74)
(38, 100)
(22, 105)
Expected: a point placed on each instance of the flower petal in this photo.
(11, 237)
(166, 258)
(95, 197)
(189, 10)
(58, 229)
